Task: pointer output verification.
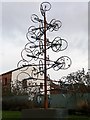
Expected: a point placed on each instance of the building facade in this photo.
(5, 80)
(23, 80)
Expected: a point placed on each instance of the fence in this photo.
(70, 101)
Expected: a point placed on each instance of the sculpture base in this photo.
(53, 113)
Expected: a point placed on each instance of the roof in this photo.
(13, 70)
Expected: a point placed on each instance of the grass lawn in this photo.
(78, 117)
(6, 115)
(11, 114)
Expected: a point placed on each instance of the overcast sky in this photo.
(16, 21)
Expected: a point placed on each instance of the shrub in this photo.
(15, 103)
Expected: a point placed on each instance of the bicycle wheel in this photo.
(32, 30)
(34, 18)
(63, 62)
(66, 61)
(51, 25)
(29, 37)
(27, 55)
(56, 44)
(30, 46)
(57, 24)
(45, 6)
(23, 64)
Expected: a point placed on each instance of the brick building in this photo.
(5, 79)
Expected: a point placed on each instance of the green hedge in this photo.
(16, 103)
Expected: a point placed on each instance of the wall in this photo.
(6, 83)
(23, 74)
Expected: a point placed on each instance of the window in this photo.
(5, 81)
(24, 83)
(41, 85)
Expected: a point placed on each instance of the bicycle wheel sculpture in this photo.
(39, 44)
